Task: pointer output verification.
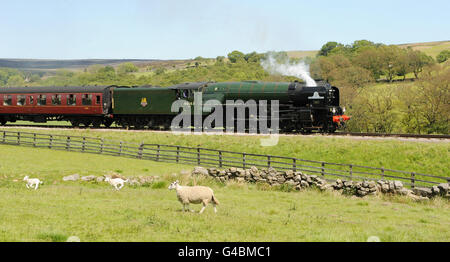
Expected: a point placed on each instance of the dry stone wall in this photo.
(299, 180)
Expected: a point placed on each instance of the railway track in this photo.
(391, 135)
(426, 136)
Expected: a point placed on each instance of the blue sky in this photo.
(170, 29)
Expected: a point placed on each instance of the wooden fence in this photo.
(216, 158)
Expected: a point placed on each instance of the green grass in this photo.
(95, 212)
(430, 48)
(408, 155)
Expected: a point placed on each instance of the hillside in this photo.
(77, 64)
(430, 48)
(302, 54)
(49, 65)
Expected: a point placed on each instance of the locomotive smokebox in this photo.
(323, 94)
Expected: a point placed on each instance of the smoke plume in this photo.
(283, 65)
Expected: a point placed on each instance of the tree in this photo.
(443, 56)
(360, 45)
(418, 60)
(253, 57)
(323, 66)
(389, 60)
(370, 59)
(434, 92)
(403, 65)
(15, 80)
(6, 73)
(220, 59)
(125, 68)
(236, 56)
(326, 48)
(106, 74)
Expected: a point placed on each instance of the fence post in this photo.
(294, 164)
(157, 153)
(51, 142)
(351, 172)
(141, 148)
(243, 160)
(34, 139)
(4, 136)
(68, 143)
(101, 146)
(18, 138)
(382, 173)
(178, 154)
(413, 179)
(120, 148)
(198, 156)
(322, 169)
(220, 158)
(268, 161)
(83, 145)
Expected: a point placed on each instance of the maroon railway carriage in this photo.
(79, 105)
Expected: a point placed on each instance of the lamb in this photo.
(32, 182)
(116, 182)
(195, 195)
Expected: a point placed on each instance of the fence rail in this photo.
(215, 158)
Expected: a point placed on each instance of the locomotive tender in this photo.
(301, 108)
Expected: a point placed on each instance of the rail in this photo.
(215, 158)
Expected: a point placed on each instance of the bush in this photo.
(443, 56)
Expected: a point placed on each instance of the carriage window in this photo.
(56, 99)
(97, 100)
(21, 100)
(86, 100)
(42, 100)
(31, 100)
(71, 100)
(7, 100)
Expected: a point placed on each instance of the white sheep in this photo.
(32, 182)
(195, 195)
(116, 182)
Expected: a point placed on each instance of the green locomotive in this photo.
(301, 108)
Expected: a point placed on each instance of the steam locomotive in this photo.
(300, 109)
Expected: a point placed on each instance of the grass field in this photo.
(301, 54)
(408, 155)
(430, 48)
(95, 212)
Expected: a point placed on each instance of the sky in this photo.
(176, 29)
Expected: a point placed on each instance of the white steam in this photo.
(287, 68)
